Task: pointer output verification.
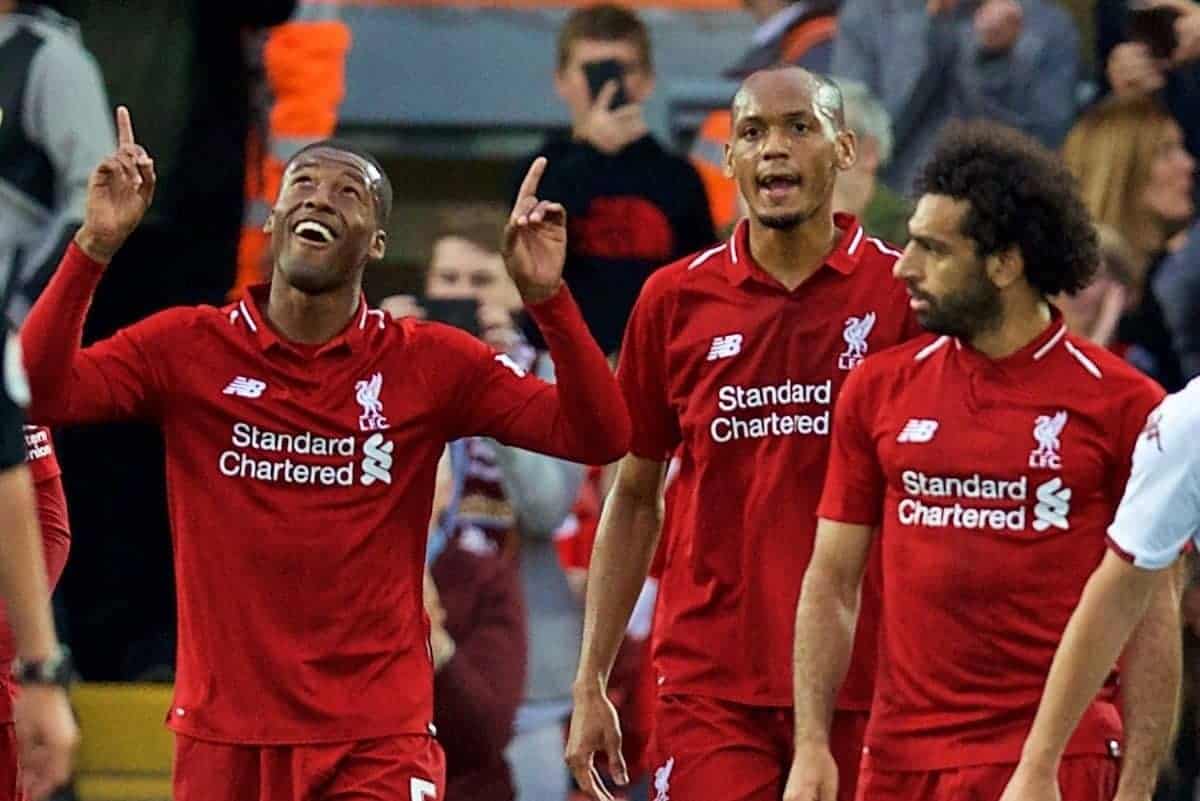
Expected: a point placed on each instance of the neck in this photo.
(311, 319)
(790, 256)
(1023, 321)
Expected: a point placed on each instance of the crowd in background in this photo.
(1113, 85)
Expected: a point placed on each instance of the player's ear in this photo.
(378, 245)
(1005, 267)
(269, 224)
(845, 148)
(728, 165)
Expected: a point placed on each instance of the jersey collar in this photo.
(1051, 338)
(250, 311)
(844, 258)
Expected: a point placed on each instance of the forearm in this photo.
(625, 543)
(22, 567)
(542, 489)
(1112, 604)
(825, 621)
(1150, 680)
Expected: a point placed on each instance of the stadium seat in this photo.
(125, 752)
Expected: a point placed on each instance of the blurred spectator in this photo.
(1012, 61)
(1130, 68)
(495, 486)
(478, 641)
(858, 190)
(55, 126)
(797, 32)
(1095, 310)
(631, 206)
(1176, 285)
(1136, 176)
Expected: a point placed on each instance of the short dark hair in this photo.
(383, 197)
(605, 22)
(1019, 194)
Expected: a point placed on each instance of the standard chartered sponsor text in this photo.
(737, 398)
(924, 505)
(256, 455)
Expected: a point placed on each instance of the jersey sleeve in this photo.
(119, 378)
(641, 374)
(39, 454)
(581, 417)
(854, 483)
(1160, 510)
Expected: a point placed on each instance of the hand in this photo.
(611, 130)
(47, 735)
(119, 192)
(398, 306)
(535, 240)
(595, 727)
(1032, 784)
(935, 7)
(1133, 71)
(998, 25)
(814, 774)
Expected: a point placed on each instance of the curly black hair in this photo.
(1020, 194)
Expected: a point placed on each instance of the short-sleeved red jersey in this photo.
(993, 482)
(300, 483)
(56, 540)
(726, 368)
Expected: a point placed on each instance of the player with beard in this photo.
(732, 360)
(990, 459)
(303, 431)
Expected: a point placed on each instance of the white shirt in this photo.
(1161, 508)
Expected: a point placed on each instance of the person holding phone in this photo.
(632, 205)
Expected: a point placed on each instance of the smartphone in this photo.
(1155, 28)
(601, 72)
(459, 312)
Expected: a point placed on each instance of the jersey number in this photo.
(422, 790)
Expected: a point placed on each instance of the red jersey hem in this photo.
(197, 733)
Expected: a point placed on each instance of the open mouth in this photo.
(779, 186)
(314, 232)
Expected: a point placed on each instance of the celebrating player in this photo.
(1157, 517)
(303, 431)
(991, 458)
(733, 359)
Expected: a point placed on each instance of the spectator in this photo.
(859, 190)
(1131, 69)
(1136, 175)
(181, 67)
(56, 127)
(1095, 310)
(494, 486)
(1176, 286)
(1012, 61)
(796, 32)
(631, 206)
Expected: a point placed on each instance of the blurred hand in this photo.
(594, 728)
(935, 7)
(119, 192)
(611, 130)
(1029, 784)
(998, 25)
(535, 240)
(1133, 71)
(814, 774)
(47, 735)
(398, 306)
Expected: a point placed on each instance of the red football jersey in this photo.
(56, 541)
(993, 483)
(724, 363)
(300, 484)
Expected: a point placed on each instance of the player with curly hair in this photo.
(990, 458)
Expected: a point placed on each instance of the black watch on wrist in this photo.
(57, 670)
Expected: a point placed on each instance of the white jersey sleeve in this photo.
(1161, 508)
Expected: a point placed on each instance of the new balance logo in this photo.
(246, 387)
(724, 347)
(917, 430)
(1053, 505)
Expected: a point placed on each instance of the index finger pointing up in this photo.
(529, 185)
(124, 127)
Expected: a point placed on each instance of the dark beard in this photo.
(782, 222)
(975, 310)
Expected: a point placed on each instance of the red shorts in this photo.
(10, 774)
(723, 751)
(410, 768)
(1086, 777)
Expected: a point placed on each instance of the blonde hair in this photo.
(1110, 151)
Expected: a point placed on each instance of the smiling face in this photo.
(788, 146)
(326, 223)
